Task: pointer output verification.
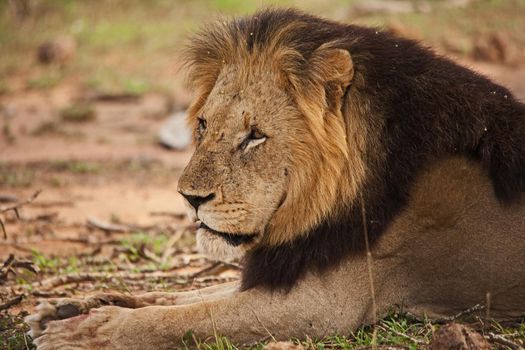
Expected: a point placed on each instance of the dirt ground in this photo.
(108, 216)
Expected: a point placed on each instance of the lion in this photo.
(352, 170)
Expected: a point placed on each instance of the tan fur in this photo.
(452, 245)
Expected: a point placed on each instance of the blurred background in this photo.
(92, 103)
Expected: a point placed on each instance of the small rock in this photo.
(174, 133)
(283, 345)
(58, 50)
(458, 337)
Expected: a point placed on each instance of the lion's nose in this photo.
(196, 201)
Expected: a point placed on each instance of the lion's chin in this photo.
(217, 247)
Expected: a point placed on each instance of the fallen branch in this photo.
(120, 97)
(114, 227)
(11, 263)
(15, 208)
(42, 294)
(174, 215)
(51, 204)
(7, 198)
(496, 338)
(106, 226)
(38, 240)
(206, 269)
(12, 302)
(56, 281)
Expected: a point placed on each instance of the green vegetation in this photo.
(78, 113)
(77, 167)
(47, 80)
(396, 330)
(136, 244)
(13, 333)
(15, 177)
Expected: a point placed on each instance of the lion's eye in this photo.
(254, 138)
(202, 125)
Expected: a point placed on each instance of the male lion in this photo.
(314, 142)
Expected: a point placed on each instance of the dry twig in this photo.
(7, 198)
(387, 329)
(15, 208)
(206, 269)
(496, 338)
(468, 311)
(174, 215)
(370, 263)
(50, 204)
(107, 226)
(11, 302)
(11, 263)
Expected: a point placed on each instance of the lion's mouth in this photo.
(233, 239)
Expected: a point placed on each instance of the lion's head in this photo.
(273, 151)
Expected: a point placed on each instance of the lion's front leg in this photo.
(64, 308)
(162, 327)
(316, 307)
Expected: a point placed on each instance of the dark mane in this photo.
(421, 106)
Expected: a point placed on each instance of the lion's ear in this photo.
(323, 77)
(333, 70)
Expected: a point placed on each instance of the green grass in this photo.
(78, 113)
(396, 330)
(15, 177)
(55, 265)
(145, 246)
(77, 167)
(12, 333)
(111, 82)
(47, 80)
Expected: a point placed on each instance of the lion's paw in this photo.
(54, 309)
(63, 308)
(89, 331)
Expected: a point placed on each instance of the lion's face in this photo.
(238, 175)
(274, 154)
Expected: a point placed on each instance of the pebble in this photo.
(174, 133)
